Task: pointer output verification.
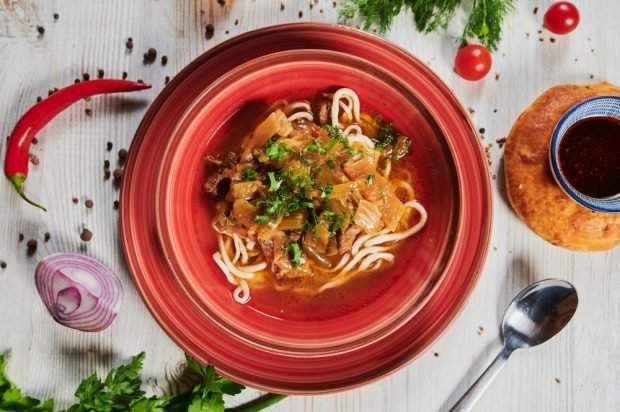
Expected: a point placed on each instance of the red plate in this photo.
(273, 369)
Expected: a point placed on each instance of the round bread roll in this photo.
(531, 188)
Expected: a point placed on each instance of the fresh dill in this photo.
(484, 22)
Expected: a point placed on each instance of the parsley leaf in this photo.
(294, 254)
(335, 136)
(330, 163)
(208, 396)
(261, 219)
(336, 223)
(316, 146)
(385, 136)
(124, 380)
(274, 184)
(11, 398)
(274, 150)
(120, 391)
(121, 387)
(326, 191)
(249, 174)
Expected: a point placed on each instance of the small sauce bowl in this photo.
(590, 157)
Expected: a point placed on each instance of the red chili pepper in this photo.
(16, 163)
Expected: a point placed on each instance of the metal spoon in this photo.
(535, 315)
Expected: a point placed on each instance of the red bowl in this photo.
(279, 371)
(184, 214)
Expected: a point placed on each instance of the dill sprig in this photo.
(484, 22)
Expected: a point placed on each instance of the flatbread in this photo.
(531, 188)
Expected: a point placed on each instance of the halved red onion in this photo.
(78, 291)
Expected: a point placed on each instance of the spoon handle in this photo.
(469, 399)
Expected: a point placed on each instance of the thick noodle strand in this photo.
(242, 293)
(375, 258)
(291, 107)
(345, 93)
(301, 115)
(233, 269)
(393, 237)
(364, 252)
(352, 128)
(217, 257)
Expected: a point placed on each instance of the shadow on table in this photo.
(121, 104)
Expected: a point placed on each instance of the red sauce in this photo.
(589, 157)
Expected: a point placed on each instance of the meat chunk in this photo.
(286, 270)
(346, 239)
(322, 109)
(222, 171)
(225, 160)
(271, 243)
(218, 183)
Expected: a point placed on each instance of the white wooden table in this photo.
(577, 371)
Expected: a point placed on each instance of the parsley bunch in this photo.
(11, 398)
(484, 22)
(120, 391)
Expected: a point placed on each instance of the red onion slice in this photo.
(78, 291)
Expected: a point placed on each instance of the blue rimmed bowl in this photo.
(600, 106)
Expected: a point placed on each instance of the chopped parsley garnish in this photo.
(326, 191)
(294, 254)
(249, 174)
(261, 219)
(333, 220)
(335, 136)
(274, 183)
(385, 136)
(316, 146)
(336, 223)
(274, 150)
(330, 163)
(286, 194)
(370, 179)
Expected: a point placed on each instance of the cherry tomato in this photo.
(561, 18)
(473, 62)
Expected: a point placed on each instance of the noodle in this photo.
(375, 258)
(383, 238)
(355, 103)
(291, 107)
(231, 267)
(301, 115)
(242, 293)
(352, 127)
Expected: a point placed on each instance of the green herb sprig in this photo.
(484, 22)
(120, 391)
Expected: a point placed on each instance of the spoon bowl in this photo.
(534, 316)
(538, 313)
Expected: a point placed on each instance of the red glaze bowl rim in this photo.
(166, 228)
(145, 262)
